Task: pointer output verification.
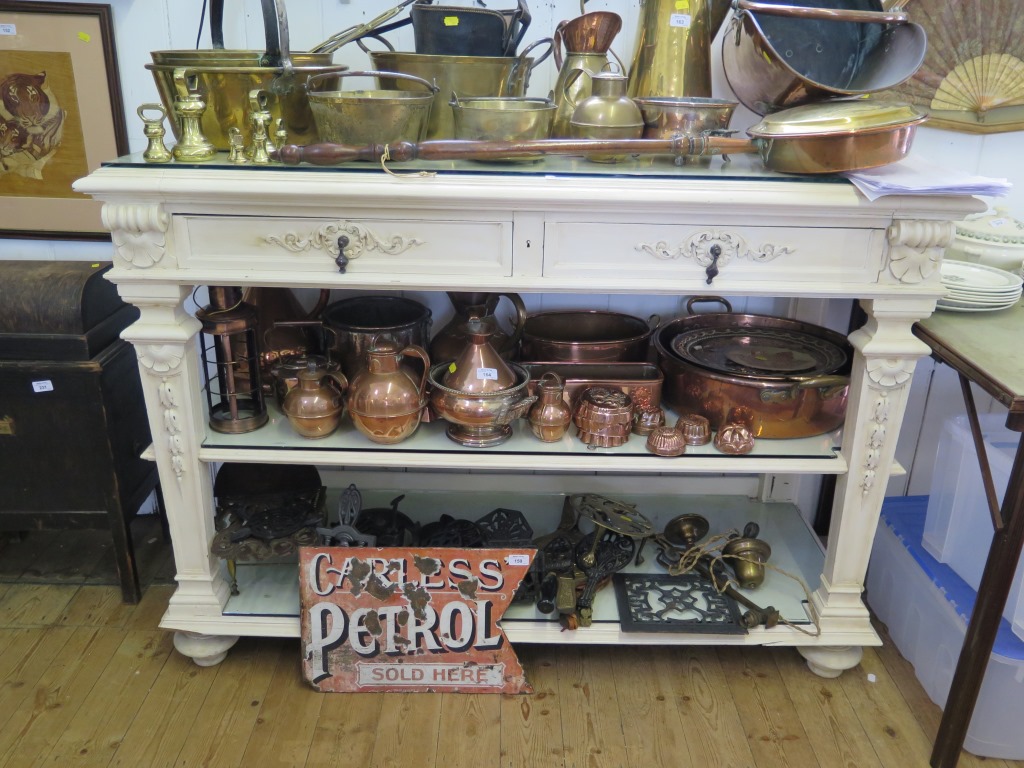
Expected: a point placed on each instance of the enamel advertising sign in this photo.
(406, 619)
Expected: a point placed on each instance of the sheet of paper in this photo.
(915, 176)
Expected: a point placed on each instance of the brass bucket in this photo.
(370, 117)
(465, 75)
(225, 77)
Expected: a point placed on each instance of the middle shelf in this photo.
(430, 448)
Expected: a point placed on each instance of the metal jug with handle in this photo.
(592, 58)
(672, 56)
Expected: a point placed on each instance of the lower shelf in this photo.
(268, 599)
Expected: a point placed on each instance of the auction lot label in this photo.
(409, 619)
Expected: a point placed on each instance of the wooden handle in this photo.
(465, 149)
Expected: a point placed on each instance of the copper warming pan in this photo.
(793, 377)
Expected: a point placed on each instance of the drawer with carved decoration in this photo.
(358, 247)
(731, 255)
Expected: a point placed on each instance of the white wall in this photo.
(142, 26)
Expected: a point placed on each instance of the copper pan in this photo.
(585, 336)
(783, 405)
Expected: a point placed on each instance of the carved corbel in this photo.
(915, 248)
(162, 361)
(139, 233)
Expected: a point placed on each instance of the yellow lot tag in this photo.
(451, 21)
(682, 5)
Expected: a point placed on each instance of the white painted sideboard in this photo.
(564, 227)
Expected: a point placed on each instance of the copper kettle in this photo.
(286, 328)
(469, 305)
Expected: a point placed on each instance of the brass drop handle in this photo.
(712, 269)
(342, 259)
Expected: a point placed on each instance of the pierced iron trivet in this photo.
(391, 527)
(266, 526)
(685, 603)
(451, 532)
(505, 528)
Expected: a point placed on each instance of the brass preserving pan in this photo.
(225, 77)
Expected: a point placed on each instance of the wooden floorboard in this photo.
(771, 724)
(592, 726)
(531, 726)
(714, 734)
(88, 681)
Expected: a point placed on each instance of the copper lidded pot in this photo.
(314, 408)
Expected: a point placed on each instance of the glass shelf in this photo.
(430, 447)
(273, 590)
(738, 167)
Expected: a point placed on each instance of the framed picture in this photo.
(61, 115)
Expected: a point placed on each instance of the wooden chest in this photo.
(72, 417)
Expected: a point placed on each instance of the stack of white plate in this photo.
(978, 288)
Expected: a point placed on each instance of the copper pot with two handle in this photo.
(792, 376)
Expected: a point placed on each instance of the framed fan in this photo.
(972, 78)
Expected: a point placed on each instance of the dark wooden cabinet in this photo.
(72, 417)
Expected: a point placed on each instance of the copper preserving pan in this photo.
(793, 377)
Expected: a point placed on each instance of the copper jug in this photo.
(550, 415)
(478, 369)
(672, 55)
(385, 401)
(586, 39)
(314, 408)
(451, 339)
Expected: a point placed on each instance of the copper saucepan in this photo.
(793, 377)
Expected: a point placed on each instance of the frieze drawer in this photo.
(382, 247)
(734, 255)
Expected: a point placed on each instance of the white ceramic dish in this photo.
(967, 275)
